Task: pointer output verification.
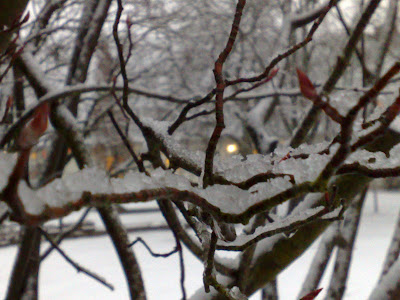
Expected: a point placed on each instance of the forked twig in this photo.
(78, 267)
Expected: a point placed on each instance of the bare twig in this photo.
(154, 254)
(78, 267)
(181, 265)
(288, 52)
(192, 104)
(65, 234)
(128, 146)
(385, 120)
(121, 58)
(210, 262)
(4, 216)
(372, 173)
(338, 71)
(178, 230)
(178, 249)
(220, 88)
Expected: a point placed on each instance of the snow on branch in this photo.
(248, 186)
(237, 170)
(291, 223)
(228, 203)
(389, 285)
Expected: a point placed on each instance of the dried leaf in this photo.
(306, 86)
(272, 73)
(39, 121)
(35, 128)
(312, 295)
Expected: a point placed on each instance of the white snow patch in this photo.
(244, 238)
(7, 163)
(30, 200)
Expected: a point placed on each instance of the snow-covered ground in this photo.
(59, 280)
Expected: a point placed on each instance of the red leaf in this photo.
(39, 121)
(306, 86)
(34, 129)
(271, 75)
(312, 295)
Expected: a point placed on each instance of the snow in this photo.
(309, 201)
(371, 244)
(325, 247)
(33, 204)
(395, 124)
(244, 238)
(174, 148)
(7, 163)
(229, 198)
(60, 281)
(376, 160)
(389, 283)
(239, 169)
(235, 293)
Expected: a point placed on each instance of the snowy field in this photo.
(59, 280)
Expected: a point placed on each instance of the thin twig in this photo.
(154, 254)
(128, 146)
(65, 234)
(192, 104)
(288, 52)
(220, 88)
(4, 217)
(208, 271)
(181, 264)
(120, 53)
(340, 67)
(178, 249)
(78, 267)
(187, 217)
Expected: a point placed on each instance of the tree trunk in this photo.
(23, 283)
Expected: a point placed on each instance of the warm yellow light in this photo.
(231, 148)
(109, 162)
(33, 155)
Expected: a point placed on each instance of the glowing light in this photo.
(231, 148)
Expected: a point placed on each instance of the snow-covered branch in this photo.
(389, 286)
(288, 224)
